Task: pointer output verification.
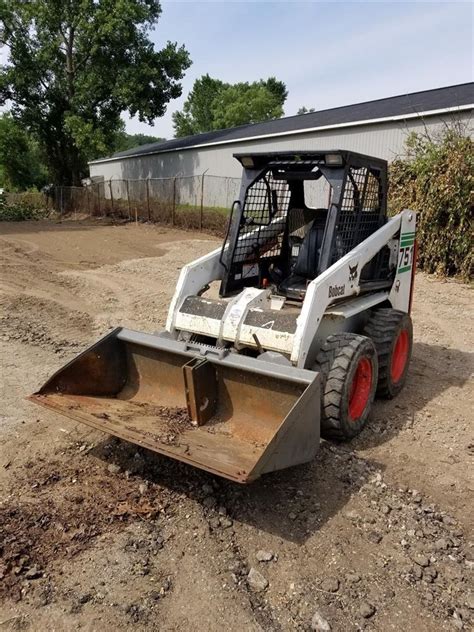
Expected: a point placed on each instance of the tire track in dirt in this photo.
(135, 293)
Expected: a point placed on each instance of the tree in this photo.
(74, 66)
(246, 103)
(213, 104)
(305, 110)
(126, 141)
(197, 115)
(277, 88)
(21, 165)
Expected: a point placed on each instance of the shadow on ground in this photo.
(433, 370)
(292, 504)
(296, 502)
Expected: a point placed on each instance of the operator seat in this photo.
(304, 267)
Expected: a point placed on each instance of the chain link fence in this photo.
(196, 202)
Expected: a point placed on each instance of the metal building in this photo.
(377, 128)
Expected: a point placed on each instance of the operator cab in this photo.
(297, 215)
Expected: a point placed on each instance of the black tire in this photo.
(345, 359)
(391, 331)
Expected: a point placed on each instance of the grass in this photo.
(206, 209)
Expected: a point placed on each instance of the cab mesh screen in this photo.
(263, 220)
(361, 210)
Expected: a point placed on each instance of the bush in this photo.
(19, 211)
(436, 180)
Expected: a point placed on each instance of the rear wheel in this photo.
(392, 333)
(349, 368)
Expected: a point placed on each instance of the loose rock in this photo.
(352, 578)
(441, 545)
(256, 580)
(429, 574)
(330, 584)
(34, 573)
(113, 468)
(264, 556)
(351, 514)
(421, 560)
(469, 601)
(209, 502)
(417, 572)
(366, 610)
(318, 622)
(374, 537)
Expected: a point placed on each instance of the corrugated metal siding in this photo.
(385, 140)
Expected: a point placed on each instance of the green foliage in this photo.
(213, 104)
(21, 166)
(436, 179)
(197, 115)
(246, 103)
(126, 141)
(73, 68)
(20, 211)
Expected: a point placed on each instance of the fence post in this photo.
(88, 201)
(128, 202)
(98, 198)
(111, 196)
(201, 210)
(148, 198)
(173, 210)
(201, 213)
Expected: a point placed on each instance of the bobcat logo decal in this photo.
(353, 272)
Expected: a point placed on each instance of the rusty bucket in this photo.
(229, 414)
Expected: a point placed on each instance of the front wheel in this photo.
(349, 367)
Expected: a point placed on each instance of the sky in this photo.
(328, 53)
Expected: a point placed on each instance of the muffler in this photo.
(229, 414)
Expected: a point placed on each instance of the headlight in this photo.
(247, 162)
(334, 160)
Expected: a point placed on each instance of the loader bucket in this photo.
(231, 415)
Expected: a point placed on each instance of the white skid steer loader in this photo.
(311, 321)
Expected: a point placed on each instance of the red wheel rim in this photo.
(400, 356)
(360, 389)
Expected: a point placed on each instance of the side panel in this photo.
(400, 293)
(339, 281)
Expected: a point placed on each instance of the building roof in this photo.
(404, 106)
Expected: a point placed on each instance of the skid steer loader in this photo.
(310, 322)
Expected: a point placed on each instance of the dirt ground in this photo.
(99, 535)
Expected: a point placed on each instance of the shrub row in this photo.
(17, 211)
(436, 179)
